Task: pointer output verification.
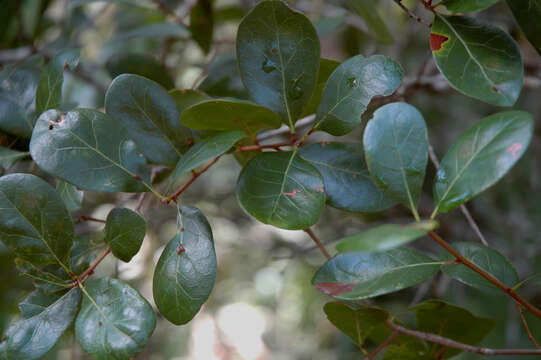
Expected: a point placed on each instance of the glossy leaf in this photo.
(115, 321)
(278, 55)
(124, 233)
(150, 117)
(351, 87)
(481, 156)
(326, 67)
(86, 248)
(202, 24)
(185, 98)
(367, 9)
(452, 322)
(139, 64)
(359, 275)
(70, 195)
(396, 151)
(34, 222)
(487, 259)
(223, 79)
(282, 189)
(462, 6)
(41, 327)
(9, 157)
(111, 161)
(527, 14)
(43, 278)
(348, 184)
(186, 272)
(385, 237)
(477, 59)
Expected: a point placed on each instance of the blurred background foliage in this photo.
(263, 305)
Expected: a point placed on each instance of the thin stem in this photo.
(90, 270)
(485, 275)
(411, 14)
(457, 345)
(383, 345)
(195, 175)
(260, 147)
(318, 243)
(89, 218)
(526, 327)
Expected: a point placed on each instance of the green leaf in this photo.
(204, 151)
(86, 248)
(452, 322)
(157, 30)
(357, 323)
(150, 117)
(462, 6)
(223, 79)
(328, 24)
(385, 237)
(231, 13)
(396, 151)
(477, 59)
(487, 259)
(90, 150)
(481, 157)
(41, 326)
(9, 157)
(149, 4)
(348, 184)
(407, 350)
(358, 275)
(49, 91)
(278, 55)
(124, 233)
(186, 272)
(230, 115)
(139, 64)
(527, 14)
(70, 195)
(44, 278)
(367, 9)
(326, 67)
(34, 222)
(202, 24)
(115, 321)
(187, 97)
(282, 189)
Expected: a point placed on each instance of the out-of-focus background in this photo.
(263, 305)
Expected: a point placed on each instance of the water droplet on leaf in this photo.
(352, 82)
(296, 92)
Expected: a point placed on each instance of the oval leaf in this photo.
(527, 14)
(396, 151)
(351, 87)
(124, 233)
(115, 321)
(477, 59)
(139, 64)
(278, 55)
(480, 157)
(282, 189)
(186, 272)
(150, 117)
(348, 184)
(187, 97)
(357, 275)
(326, 68)
(88, 149)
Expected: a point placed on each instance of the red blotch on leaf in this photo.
(333, 289)
(292, 193)
(180, 249)
(514, 149)
(436, 41)
(320, 189)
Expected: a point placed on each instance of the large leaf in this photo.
(44, 321)
(351, 87)
(202, 24)
(527, 14)
(326, 68)
(462, 6)
(385, 237)
(150, 117)
(480, 157)
(186, 272)
(34, 222)
(359, 275)
(72, 197)
(124, 233)
(396, 151)
(115, 321)
(487, 259)
(282, 189)
(139, 64)
(348, 184)
(367, 9)
(90, 150)
(477, 59)
(8, 157)
(278, 55)
(452, 322)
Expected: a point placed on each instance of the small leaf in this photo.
(115, 321)
(70, 195)
(150, 117)
(477, 59)
(44, 321)
(139, 64)
(358, 275)
(326, 67)
(282, 189)
(481, 157)
(34, 222)
(487, 259)
(527, 14)
(348, 184)
(278, 55)
(186, 272)
(367, 9)
(396, 151)
(351, 87)
(463, 6)
(385, 237)
(452, 322)
(202, 24)
(9, 157)
(124, 233)
(88, 149)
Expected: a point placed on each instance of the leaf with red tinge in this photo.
(334, 289)
(436, 41)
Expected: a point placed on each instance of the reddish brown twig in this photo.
(195, 175)
(318, 243)
(411, 14)
(90, 270)
(261, 147)
(383, 345)
(88, 218)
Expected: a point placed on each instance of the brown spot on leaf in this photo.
(323, 143)
(292, 193)
(335, 288)
(436, 41)
(320, 189)
(495, 88)
(514, 149)
(100, 324)
(180, 249)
